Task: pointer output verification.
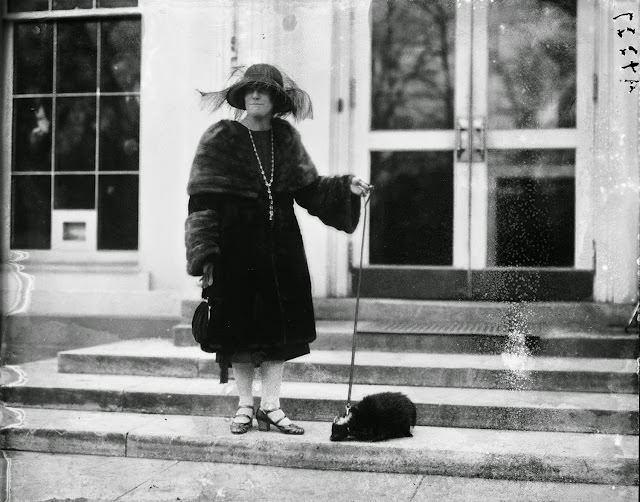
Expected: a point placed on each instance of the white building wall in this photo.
(615, 187)
(187, 45)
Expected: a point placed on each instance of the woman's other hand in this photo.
(360, 187)
(207, 275)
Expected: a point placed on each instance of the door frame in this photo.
(470, 206)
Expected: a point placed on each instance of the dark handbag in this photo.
(202, 328)
(200, 321)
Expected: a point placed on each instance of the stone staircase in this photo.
(545, 392)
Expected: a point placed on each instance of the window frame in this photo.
(10, 19)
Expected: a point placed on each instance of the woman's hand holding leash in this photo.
(360, 187)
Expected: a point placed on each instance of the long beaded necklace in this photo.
(264, 176)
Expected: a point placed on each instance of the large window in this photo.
(75, 125)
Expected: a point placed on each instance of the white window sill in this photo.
(45, 257)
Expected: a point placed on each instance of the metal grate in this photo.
(427, 328)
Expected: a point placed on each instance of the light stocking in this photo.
(271, 372)
(243, 374)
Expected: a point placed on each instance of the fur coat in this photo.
(261, 287)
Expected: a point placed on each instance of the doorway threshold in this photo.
(490, 284)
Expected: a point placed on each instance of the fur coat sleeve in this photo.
(201, 239)
(330, 199)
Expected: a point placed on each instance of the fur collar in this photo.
(223, 161)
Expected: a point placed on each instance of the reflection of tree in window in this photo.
(77, 57)
(119, 115)
(119, 129)
(41, 130)
(413, 69)
(33, 63)
(75, 134)
(32, 134)
(532, 64)
(120, 68)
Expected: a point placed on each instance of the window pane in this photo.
(74, 192)
(27, 5)
(75, 134)
(412, 211)
(32, 134)
(77, 53)
(532, 64)
(119, 132)
(72, 4)
(117, 3)
(33, 58)
(413, 50)
(120, 54)
(118, 212)
(31, 212)
(531, 208)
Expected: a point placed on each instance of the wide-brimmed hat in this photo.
(289, 99)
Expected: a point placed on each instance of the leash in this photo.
(355, 321)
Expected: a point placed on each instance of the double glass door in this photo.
(468, 124)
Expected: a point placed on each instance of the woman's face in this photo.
(258, 102)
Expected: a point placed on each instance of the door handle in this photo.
(471, 142)
(462, 139)
(479, 139)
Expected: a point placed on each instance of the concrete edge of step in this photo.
(386, 309)
(151, 436)
(468, 408)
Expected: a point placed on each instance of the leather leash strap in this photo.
(355, 320)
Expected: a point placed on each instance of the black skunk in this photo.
(377, 417)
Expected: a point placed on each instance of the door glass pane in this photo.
(74, 192)
(119, 131)
(32, 134)
(120, 56)
(531, 208)
(118, 211)
(33, 58)
(31, 212)
(532, 64)
(413, 49)
(412, 210)
(76, 134)
(77, 56)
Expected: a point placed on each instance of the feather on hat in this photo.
(289, 98)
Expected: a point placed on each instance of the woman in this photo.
(243, 238)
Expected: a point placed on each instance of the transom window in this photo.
(75, 126)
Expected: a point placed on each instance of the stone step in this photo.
(51, 334)
(439, 338)
(159, 357)
(42, 386)
(494, 454)
(587, 314)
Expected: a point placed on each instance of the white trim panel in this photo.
(531, 138)
(411, 140)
